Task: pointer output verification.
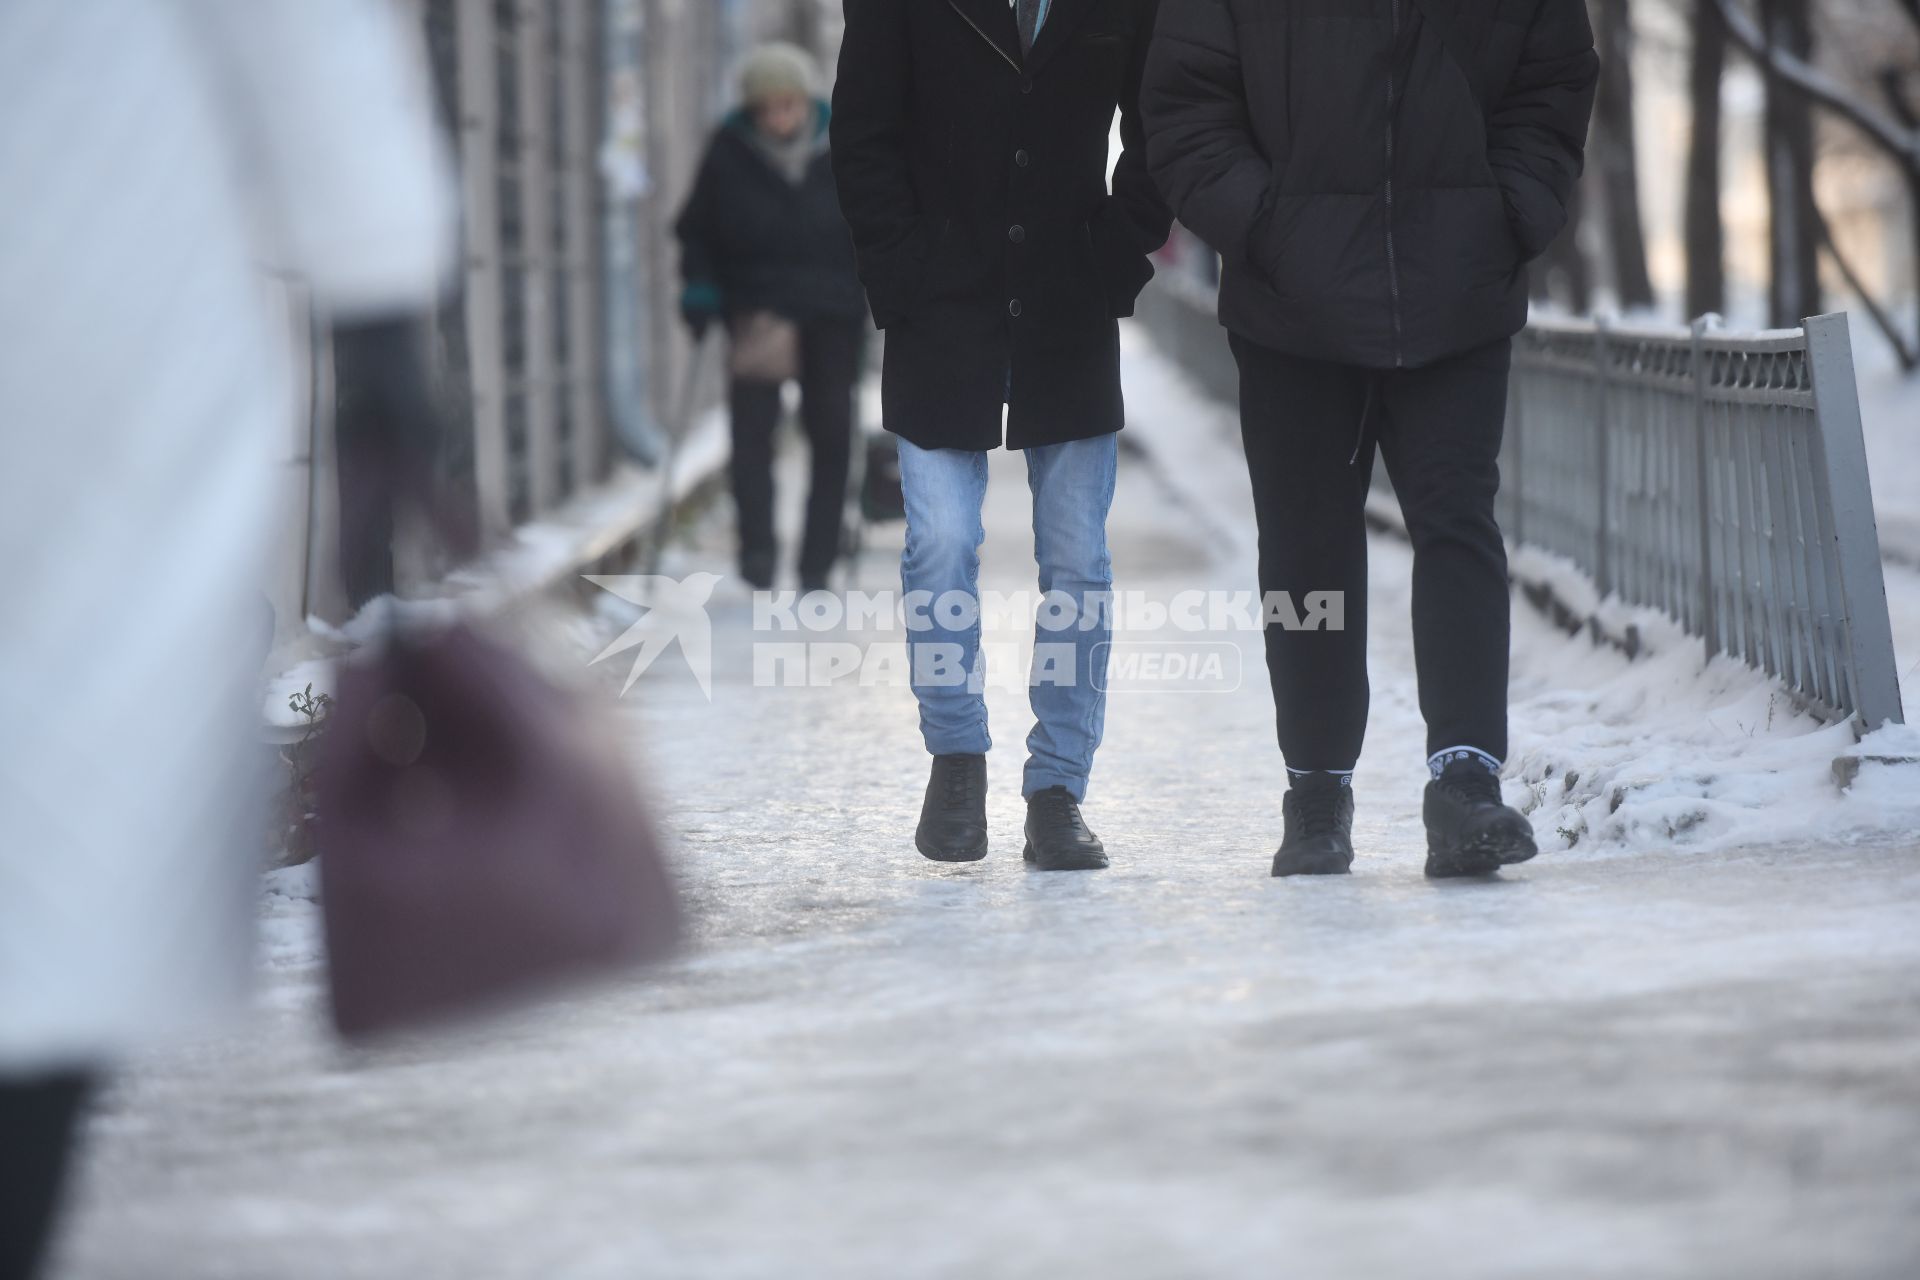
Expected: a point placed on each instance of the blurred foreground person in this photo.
(154, 156)
(766, 252)
(971, 141)
(1377, 174)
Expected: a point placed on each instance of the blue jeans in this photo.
(1072, 488)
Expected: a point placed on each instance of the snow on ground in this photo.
(1689, 1056)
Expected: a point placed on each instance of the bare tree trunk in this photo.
(1795, 241)
(1618, 154)
(1913, 213)
(1791, 74)
(1893, 84)
(1706, 232)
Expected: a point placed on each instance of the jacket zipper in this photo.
(968, 19)
(1393, 260)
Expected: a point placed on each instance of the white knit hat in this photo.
(774, 69)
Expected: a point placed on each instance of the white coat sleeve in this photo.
(331, 106)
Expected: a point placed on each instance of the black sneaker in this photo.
(1470, 831)
(953, 821)
(1319, 839)
(1058, 838)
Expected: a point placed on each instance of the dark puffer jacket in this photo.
(751, 240)
(1376, 185)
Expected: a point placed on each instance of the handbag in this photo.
(477, 843)
(766, 348)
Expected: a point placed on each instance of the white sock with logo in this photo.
(1345, 775)
(1437, 762)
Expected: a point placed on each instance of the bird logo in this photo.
(671, 609)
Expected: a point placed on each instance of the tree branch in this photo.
(1887, 132)
(1909, 359)
(1893, 86)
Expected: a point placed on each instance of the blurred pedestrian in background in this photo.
(766, 252)
(154, 157)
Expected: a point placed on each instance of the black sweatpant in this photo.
(1311, 429)
(38, 1120)
(829, 366)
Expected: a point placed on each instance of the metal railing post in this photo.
(580, 79)
(1602, 470)
(1703, 479)
(486, 341)
(535, 127)
(1841, 459)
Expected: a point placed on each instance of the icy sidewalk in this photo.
(1641, 1058)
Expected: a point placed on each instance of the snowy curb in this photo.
(594, 527)
(1894, 745)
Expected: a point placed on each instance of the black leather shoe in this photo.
(1058, 838)
(1319, 839)
(1470, 831)
(953, 821)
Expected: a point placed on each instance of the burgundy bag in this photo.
(476, 841)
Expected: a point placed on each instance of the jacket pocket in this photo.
(897, 280)
(1267, 246)
(1121, 270)
(1473, 228)
(1516, 233)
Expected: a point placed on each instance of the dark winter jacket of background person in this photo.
(974, 175)
(1375, 184)
(757, 236)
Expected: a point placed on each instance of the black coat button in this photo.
(1014, 308)
(1026, 86)
(1021, 158)
(1017, 234)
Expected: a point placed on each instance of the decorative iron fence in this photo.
(577, 125)
(1718, 477)
(525, 81)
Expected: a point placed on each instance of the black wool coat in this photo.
(763, 241)
(1375, 184)
(975, 180)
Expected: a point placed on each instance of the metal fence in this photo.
(528, 350)
(1718, 477)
